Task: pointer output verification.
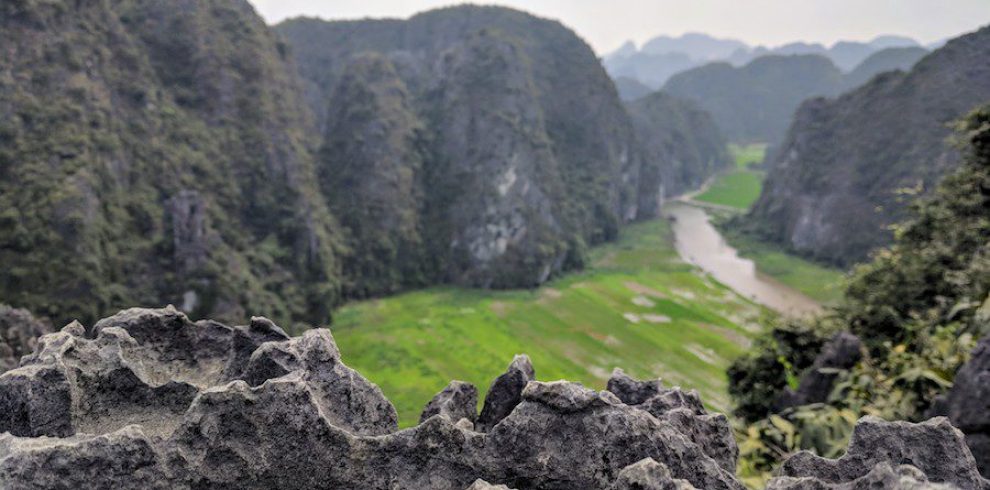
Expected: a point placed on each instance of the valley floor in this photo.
(638, 307)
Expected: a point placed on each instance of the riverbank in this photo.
(699, 243)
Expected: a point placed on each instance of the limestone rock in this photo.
(631, 391)
(883, 475)
(934, 447)
(19, 331)
(483, 485)
(968, 403)
(648, 475)
(459, 400)
(506, 392)
(148, 399)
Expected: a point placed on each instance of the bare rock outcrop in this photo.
(149, 399)
(934, 450)
(968, 403)
(506, 392)
(19, 331)
(459, 400)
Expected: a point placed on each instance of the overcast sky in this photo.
(605, 24)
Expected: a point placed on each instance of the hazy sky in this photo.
(605, 24)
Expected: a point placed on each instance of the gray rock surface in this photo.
(934, 448)
(19, 331)
(682, 410)
(648, 475)
(483, 485)
(968, 404)
(459, 400)
(883, 475)
(149, 399)
(506, 392)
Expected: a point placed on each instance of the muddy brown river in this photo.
(699, 243)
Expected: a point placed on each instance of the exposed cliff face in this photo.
(968, 404)
(682, 146)
(529, 155)
(155, 151)
(371, 172)
(836, 182)
(149, 399)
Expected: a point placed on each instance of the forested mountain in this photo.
(512, 152)
(631, 89)
(754, 103)
(682, 145)
(849, 166)
(889, 59)
(663, 57)
(156, 152)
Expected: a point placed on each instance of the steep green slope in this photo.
(754, 103)
(637, 306)
(681, 144)
(839, 180)
(155, 151)
(510, 121)
(882, 61)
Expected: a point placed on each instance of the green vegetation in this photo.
(637, 307)
(918, 308)
(821, 283)
(736, 190)
(740, 187)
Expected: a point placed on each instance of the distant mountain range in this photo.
(756, 102)
(663, 56)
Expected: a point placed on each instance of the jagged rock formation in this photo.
(459, 400)
(19, 332)
(934, 450)
(681, 147)
(837, 182)
(149, 399)
(841, 352)
(968, 403)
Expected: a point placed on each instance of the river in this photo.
(699, 243)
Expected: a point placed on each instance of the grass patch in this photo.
(638, 307)
(738, 188)
(821, 283)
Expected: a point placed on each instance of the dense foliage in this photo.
(918, 308)
(156, 151)
(755, 102)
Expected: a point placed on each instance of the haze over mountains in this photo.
(663, 56)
